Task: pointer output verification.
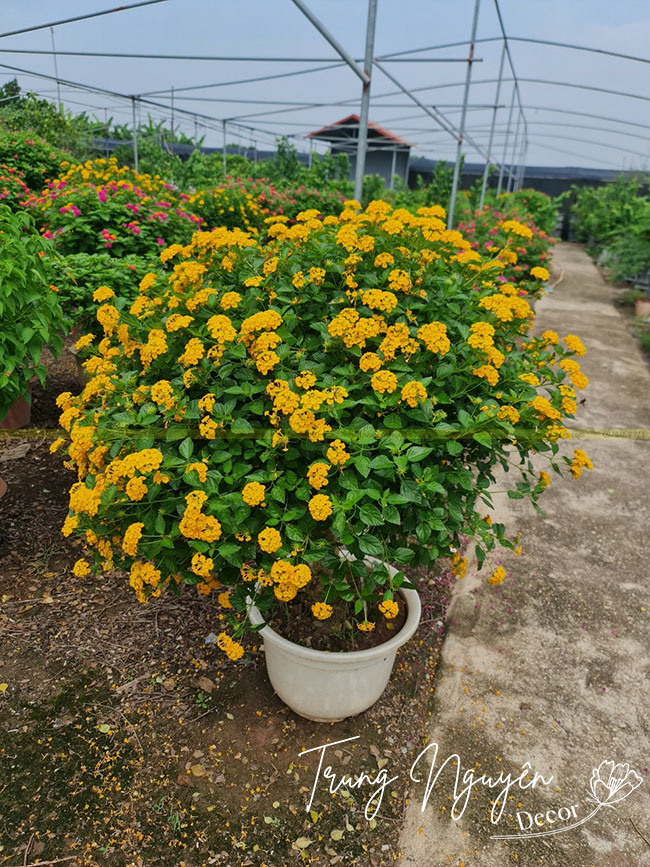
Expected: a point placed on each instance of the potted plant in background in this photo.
(30, 314)
(287, 425)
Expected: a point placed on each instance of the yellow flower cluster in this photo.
(253, 494)
(195, 524)
(497, 576)
(577, 377)
(513, 227)
(580, 462)
(389, 608)
(320, 507)
(269, 540)
(414, 393)
(131, 538)
(384, 381)
(434, 337)
(337, 454)
(143, 573)
(544, 409)
(321, 610)
(317, 475)
(231, 648)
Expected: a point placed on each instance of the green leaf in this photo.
(371, 545)
(418, 453)
(371, 516)
(186, 448)
(381, 462)
(339, 522)
(352, 497)
(241, 426)
(403, 555)
(454, 447)
(362, 463)
(391, 514)
(483, 438)
(230, 553)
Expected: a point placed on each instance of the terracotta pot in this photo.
(3, 487)
(19, 414)
(642, 307)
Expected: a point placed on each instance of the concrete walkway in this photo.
(553, 666)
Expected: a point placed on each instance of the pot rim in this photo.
(414, 611)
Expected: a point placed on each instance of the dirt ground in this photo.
(552, 667)
(127, 738)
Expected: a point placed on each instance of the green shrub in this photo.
(30, 313)
(352, 383)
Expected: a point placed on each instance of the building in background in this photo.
(388, 155)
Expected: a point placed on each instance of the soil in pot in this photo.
(296, 623)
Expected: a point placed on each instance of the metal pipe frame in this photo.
(135, 136)
(515, 143)
(515, 175)
(432, 111)
(324, 32)
(81, 17)
(488, 162)
(226, 58)
(463, 115)
(520, 39)
(505, 143)
(362, 135)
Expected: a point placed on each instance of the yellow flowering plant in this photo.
(350, 384)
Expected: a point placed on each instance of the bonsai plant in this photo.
(288, 425)
(30, 314)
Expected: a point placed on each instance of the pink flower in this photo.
(102, 195)
(160, 241)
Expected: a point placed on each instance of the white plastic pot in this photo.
(328, 687)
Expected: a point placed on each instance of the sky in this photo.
(559, 133)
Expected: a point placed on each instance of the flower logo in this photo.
(611, 783)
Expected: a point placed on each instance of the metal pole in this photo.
(56, 71)
(461, 131)
(106, 133)
(505, 142)
(172, 131)
(135, 137)
(491, 139)
(223, 150)
(311, 151)
(392, 169)
(364, 75)
(522, 164)
(511, 173)
(362, 135)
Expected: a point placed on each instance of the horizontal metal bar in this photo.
(122, 55)
(178, 90)
(80, 18)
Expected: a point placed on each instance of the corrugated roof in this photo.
(424, 164)
(352, 119)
